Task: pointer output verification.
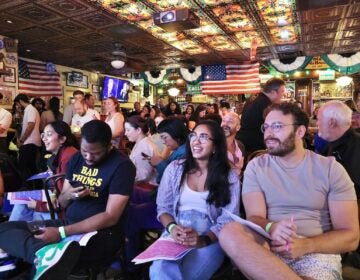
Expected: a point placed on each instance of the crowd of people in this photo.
(183, 173)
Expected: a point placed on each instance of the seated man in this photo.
(305, 201)
(99, 181)
(231, 124)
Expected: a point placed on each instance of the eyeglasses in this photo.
(202, 137)
(275, 127)
(46, 134)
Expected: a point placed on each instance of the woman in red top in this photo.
(61, 143)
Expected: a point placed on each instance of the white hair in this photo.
(337, 110)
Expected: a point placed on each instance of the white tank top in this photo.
(192, 200)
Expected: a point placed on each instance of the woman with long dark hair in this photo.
(173, 109)
(52, 114)
(190, 199)
(61, 143)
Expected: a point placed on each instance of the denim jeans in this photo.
(21, 212)
(200, 263)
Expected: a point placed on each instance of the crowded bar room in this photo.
(179, 139)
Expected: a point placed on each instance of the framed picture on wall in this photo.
(95, 88)
(12, 77)
(8, 96)
(73, 79)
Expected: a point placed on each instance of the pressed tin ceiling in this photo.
(81, 33)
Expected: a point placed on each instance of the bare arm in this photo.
(114, 209)
(119, 127)
(29, 128)
(256, 211)
(2, 189)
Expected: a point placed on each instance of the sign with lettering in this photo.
(193, 88)
(317, 63)
(327, 75)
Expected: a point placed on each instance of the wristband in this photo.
(62, 232)
(268, 226)
(170, 226)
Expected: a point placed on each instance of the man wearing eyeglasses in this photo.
(252, 115)
(304, 201)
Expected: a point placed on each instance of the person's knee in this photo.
(229, 231)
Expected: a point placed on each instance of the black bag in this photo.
(10, 173)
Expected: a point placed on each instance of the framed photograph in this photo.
(11, 78)
(8, 96)
(95, 88)
(75, 79)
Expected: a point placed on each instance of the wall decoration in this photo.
(12, 77)
(95, 88)
(8, 96)
(11, 59)
(10, 45)
(73, 80)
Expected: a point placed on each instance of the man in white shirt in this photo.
(30, 141)
(5, 123)
(69, 111)
(83, 114)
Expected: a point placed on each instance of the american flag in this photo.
(231, 79)
(36, 80)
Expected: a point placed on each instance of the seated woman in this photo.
(58, 140)
(190, 199)
(174, 134)
(136, 130)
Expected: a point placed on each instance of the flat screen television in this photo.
(117, 88)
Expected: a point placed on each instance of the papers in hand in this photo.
(247, 223)
(165, 248)
(83, 238)
(42, 175)
(24, 197)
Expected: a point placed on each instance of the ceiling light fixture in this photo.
(9, 21)
(284, 34)
(344, 81)
(173, 91)
(117, 63)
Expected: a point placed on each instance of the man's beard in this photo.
(284, 148)
(227, 131)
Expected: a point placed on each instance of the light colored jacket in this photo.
(169, 194)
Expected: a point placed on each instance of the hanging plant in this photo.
(154, 77)
(191, 74)
(343, 64)
(298, 64)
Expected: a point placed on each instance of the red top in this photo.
(62, 158)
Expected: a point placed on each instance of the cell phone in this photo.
(76, 184)
(145, 155)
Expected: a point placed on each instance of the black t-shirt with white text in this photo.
(114, 175)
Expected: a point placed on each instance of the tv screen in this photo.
(117, 88)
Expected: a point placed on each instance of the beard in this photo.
(227, 131)
(283, 148)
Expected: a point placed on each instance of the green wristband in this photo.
(268, 227)
(170, 226)
(62, 232)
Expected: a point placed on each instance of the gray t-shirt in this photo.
(302, 192)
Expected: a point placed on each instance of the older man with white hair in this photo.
(334, 121)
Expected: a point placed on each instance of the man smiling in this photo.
(306, 202)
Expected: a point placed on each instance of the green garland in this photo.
(344, 65)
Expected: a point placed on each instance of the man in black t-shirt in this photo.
(96, 190)
(252, 116)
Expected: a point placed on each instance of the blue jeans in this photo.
(21, 212)
(200, 263)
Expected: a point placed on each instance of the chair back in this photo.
(52, 183)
